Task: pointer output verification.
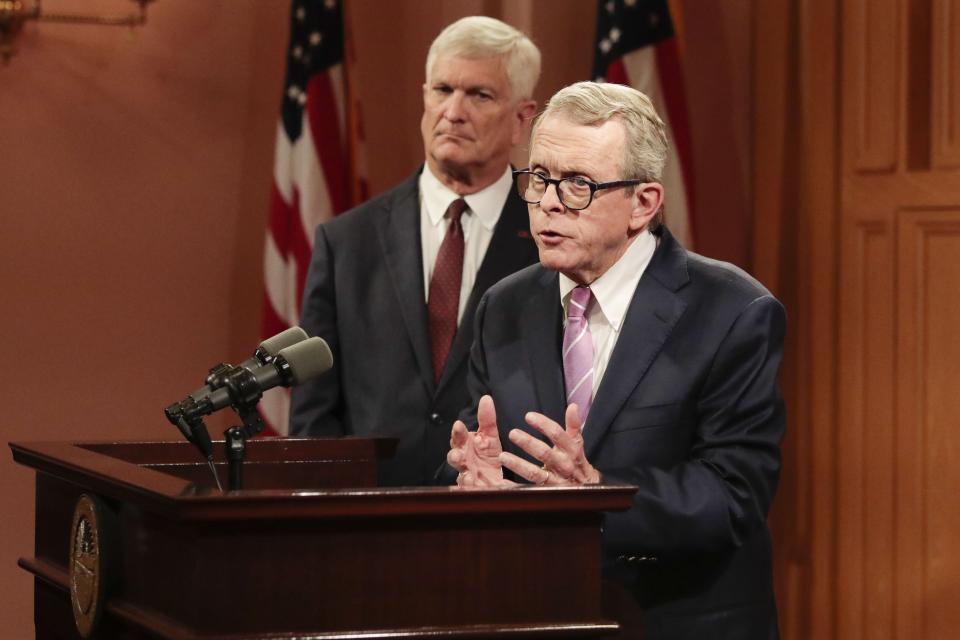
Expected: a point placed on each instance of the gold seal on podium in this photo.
(86, 565)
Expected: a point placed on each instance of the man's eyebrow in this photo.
(480, 87)
(566, 172)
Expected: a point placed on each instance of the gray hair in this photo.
(482, 37)
(592, 103)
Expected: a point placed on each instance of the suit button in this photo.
(435, 419)
(637, 559)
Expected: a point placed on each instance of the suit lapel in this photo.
(399, 234)
(541, 335)
(651, 317)
(511, 248)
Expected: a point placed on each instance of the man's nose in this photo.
(550, 202)
(455, 107)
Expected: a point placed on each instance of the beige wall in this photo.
(134, 178)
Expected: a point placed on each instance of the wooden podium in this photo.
(133, 540)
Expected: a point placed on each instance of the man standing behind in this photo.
(393, 284)
(659, 364)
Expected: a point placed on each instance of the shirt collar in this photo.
(613, 290)
(486, 204)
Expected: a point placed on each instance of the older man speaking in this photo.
(623, 357)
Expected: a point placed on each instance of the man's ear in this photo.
(524, 113)
(647, 200)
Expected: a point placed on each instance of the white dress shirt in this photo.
(612, 293)
(478, 222)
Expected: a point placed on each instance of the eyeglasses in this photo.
(575, 193)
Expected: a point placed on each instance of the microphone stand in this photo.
(245, 394)
(185, 416)
(235, 440)
(241, 389)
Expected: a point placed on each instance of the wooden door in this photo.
(857, 228)
(899, 392)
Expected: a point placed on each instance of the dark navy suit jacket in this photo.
(688, 410)
(364, 295)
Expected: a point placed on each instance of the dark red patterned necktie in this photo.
(444, 299)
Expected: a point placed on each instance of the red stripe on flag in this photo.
(278, 231)
(280, 218)
(324, 119)
(617, 73)
(290, 239)
(674, 96)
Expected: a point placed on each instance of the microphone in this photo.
(266, 351)
(270, 347)
(242, 387)
(291, 366)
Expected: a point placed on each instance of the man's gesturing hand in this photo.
(476, 455)
(564, 463)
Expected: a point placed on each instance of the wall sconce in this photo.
(13, 15)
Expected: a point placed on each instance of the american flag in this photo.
(312, 176)
(636, 46)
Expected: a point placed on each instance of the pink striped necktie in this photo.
(578, 352)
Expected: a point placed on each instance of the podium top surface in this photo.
(293, 478)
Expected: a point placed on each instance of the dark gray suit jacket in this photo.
(364, 295)
(688, 410)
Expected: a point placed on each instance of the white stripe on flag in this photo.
(282, 161)
(277, 282)
(310, 182)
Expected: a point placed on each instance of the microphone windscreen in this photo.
(287, 338)
(307, 359)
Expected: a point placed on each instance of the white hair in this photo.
(593, 103)
(482, 37)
